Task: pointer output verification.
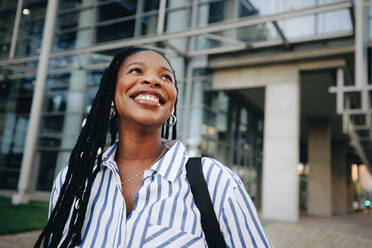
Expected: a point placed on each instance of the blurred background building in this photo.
(278, 90)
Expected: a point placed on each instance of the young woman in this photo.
(136, 194)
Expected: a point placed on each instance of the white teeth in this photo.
(147, 97)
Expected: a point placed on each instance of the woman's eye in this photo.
(167, 77)
(135, 70)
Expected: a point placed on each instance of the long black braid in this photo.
(86, 158)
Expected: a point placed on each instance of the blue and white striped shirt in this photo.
(164, 212)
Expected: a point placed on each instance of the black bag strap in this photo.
(199, 189)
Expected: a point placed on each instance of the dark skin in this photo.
(144, 98)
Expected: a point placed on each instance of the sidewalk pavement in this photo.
(351, 231)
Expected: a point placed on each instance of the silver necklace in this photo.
(142, 171)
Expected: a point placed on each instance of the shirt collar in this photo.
(109, 154)
(169, 166)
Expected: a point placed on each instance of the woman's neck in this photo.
(138, 144)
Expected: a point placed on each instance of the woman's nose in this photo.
(152, 82)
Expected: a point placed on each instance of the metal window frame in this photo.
(188, 33)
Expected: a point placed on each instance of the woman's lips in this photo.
(147, 99)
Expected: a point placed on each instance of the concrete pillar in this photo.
(280, 189)
(350, 198)
(350, 187)
(339, 177)
(196, 118)
(37, 103)
(176, 21)
(319, 201)
(76, 95)
(281, 148)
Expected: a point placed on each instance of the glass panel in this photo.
(69, 4)
(47, 164)
(335, 21)
(117, 9)
(216, 11)
(177, 3)
(298, 27)
(177, 20)
(202, 42)
(148, 25)
(232, 133)
(115, 31)
(354, 98)
(62, 82)
(4, 50)
(359, 119)
(52, 123)
(30, 36)
(323, 23)
(8, 4)
(50, 142)
(151, 5)
(15, 104)
(73, 39)
(271, 7)
(35, 9)
(224, 10)
(234, 37)
(6, 29)
(71, 19)
(260, 32)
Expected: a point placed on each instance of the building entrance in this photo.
(232, 132)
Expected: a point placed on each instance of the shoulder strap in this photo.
(199, 189)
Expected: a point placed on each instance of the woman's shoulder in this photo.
(60, 179)
(217, 173)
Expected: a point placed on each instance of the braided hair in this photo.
(86, 158)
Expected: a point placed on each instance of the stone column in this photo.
(76, 95)
(339, 177)
(196, 118)
(349, 184)
(281, 147)
(176, 21)
(319, 201)
(280, 189)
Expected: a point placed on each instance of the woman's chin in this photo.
(143, 123)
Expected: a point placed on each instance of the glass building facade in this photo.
(87, 34)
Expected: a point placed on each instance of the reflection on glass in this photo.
(8, 4)
(323, 23)
(232, 133)
(177, 20)
(31, 28)
(257, 33)
(36, 8)
(298, 27)
(116, 9)
(46, 170)
(68, 4)
(115, 31)
(15, 103)
(148, 25)
(335, 21)
(6, 30)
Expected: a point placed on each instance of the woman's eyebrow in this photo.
(135, 63)
(167, 69)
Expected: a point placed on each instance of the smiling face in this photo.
(145, 91)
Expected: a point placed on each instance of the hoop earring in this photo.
(171, 121)
(112, 110)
